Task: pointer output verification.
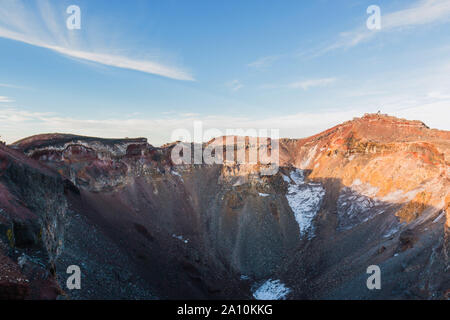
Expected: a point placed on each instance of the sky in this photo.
(143, 68)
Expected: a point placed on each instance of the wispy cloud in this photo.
(420, 13)
(6, 85)
(5, 99)
(438, 95)
(303, 84)
(45, 30)
(234, 85)
(263, 62)
(307, 84)
(424, 12)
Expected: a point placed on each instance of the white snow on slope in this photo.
(175, 173)
(271, 290)
(264, 194)
(359, 203)
(286, 179)
(305, 200)
(439, 217)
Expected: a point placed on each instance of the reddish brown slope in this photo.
(401, 158)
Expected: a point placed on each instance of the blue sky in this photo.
(146, 68)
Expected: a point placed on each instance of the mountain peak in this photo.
(387, 119)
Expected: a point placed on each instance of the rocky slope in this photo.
(374, 190)
(32, 215)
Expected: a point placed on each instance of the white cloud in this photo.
(304, 84)
(307, 84)
(263, 62)
(5, 85)
(424, 12)
(18, 123)
(438, 95)
(46, 31)
(234, 85)
(126, 63)
(421, 13)
(5, 99)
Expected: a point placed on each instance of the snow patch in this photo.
(392, 231)
(305, 200)
(175, 173)
(358, 203)
(439, 217)
(355, 208)
(263, 194)
(365, 189)
(180, 238)
(271, 290)
(286, 179)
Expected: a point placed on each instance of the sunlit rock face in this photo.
(374, 190)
